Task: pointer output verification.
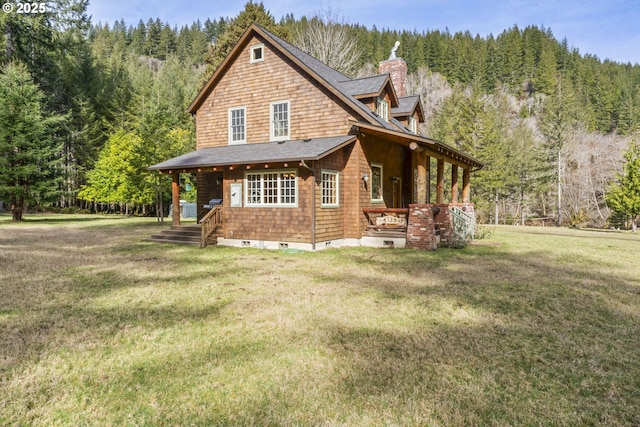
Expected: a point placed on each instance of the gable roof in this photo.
(368, 87)
(364, 87)
(407, 105)
(328, 77)
(344, 88)
(265, 152)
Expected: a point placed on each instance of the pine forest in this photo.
(92, 104)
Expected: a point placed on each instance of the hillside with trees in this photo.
(551, 123)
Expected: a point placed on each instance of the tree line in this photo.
(552, 124)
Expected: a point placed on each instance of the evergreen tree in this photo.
(624, 194)
(29, 151)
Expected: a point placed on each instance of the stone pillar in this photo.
(175, 199)
(454, 183)
(421, 233)
(440, 183)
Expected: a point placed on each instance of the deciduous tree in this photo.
(329, 40)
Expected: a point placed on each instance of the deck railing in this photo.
(387, 218)
(209, 224)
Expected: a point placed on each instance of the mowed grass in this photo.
(534, 326)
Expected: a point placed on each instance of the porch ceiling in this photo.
(266, 152)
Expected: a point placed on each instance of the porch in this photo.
(422, 226)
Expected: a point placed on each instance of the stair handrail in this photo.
(464, 223)
(209, 224)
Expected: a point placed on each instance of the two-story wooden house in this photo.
(304, 157)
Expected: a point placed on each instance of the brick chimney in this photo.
(397, 68)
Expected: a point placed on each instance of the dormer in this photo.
(376, 92)
(409, 112)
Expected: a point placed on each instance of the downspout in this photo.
(313, 204)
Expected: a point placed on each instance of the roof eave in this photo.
(437, 148)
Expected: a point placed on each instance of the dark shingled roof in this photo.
(330, 76)
(364, 86)
(406, 105)
(266, 152)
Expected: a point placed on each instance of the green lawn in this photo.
(533, 326)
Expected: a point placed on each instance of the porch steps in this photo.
(181, 234)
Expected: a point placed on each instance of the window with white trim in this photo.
(256, 53)
(237, 125)
(413, 124)
(376, 182)
(271, 188)
(329, 186)
(280, 120)
(382, 107)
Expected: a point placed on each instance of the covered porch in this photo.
(437, 206)
(226, 201)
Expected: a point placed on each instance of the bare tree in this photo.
(327, 38)
(433, 90)
(590, 163)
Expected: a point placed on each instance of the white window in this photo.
(376, 182)
(382, 106)
(279, 120)
(256, 53)
(413, 124)
(272, 188)
(329, 188)
(237, 126)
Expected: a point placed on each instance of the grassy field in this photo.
(534, 326)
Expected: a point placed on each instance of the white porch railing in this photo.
(463, 223)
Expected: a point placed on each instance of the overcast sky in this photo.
(606, 28)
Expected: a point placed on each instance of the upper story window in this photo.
(237, 125)
(280, 120)
(256, 53)
(382, 107)
(413, 124)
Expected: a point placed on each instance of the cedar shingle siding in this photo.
(313, 113)
(333, 125)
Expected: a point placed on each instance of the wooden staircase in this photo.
(204, 233)
(182, 234)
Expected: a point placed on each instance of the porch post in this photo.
(440, 183)
(428, 189)
(454, 183)
(466, 185)
(175, 199)
(422, 178)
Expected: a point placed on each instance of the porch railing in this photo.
(387, 218)
(463, 223)
(209, 224)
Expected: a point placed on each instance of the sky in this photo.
(609, 29)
